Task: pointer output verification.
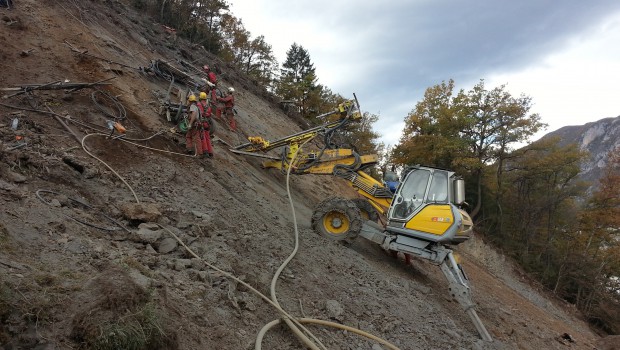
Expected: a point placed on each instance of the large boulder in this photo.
(142, 212)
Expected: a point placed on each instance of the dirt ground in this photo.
(82, 258)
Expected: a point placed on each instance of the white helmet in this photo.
(231, 89)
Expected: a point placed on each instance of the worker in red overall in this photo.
(229, 104)
(205, 112)
(213, 102)
(211, 77)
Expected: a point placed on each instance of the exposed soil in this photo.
(73, 273)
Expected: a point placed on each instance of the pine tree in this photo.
(298, 81)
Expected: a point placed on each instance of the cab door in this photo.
(422, 203)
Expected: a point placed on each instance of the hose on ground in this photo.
(293, 327)
(234, 278)
(135, 144)
(111, 102)
(274, 280)
(273, 323)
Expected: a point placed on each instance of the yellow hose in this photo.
(304, 339)
(273, 323)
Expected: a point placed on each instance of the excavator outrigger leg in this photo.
(437, 254)
(459, 289)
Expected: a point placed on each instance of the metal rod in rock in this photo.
(85, 53)
(61, 85)
(54, 86)
(17, 146)
(26, 89)
(91, 84)
(79, 139)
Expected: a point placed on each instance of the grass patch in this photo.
(134, 331)
(117, 313)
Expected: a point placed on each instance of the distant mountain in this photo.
(598, 138)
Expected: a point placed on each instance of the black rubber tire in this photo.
(367, 211)
(338, 219)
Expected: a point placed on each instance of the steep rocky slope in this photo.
(85, 263)
(597, 138)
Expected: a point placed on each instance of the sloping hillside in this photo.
(85, 262)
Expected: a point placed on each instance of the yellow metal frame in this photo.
(363, 183)
(435, 219)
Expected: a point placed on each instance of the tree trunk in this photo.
(161, 14)
(476, 210)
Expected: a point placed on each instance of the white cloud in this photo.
(566, 57)
(575, 86)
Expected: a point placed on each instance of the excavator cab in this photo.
(426, 207)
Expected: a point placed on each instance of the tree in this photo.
(298, 81)
(494, 120)
(431, 133)
(197, 21)
(589, 277)
(539, 205)
(252, 56)
(466, 132)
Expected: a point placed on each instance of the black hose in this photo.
(112, 102)
(327, 144)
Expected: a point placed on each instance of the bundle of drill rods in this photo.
(56, 85)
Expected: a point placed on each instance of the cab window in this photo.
(411, 194)
(438, 191)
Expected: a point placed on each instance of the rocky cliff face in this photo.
(598, 138)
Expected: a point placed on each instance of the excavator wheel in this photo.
(367, 211)
(337, 219)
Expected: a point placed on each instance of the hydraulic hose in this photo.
(273, 323)
(294, 325)
(274, 280)
(135, 144)
(121, 112)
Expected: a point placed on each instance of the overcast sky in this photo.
(564, 54)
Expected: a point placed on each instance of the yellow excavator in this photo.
(421, 218)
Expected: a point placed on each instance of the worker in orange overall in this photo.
(194, 128)
(229, 104)
(206, 126)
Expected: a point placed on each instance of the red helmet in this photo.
(205, 68)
